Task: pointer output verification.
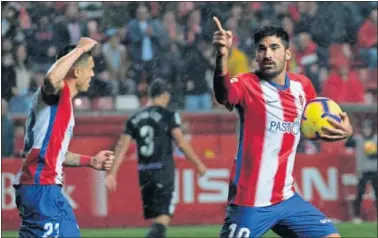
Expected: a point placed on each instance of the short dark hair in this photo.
(158, 87)
(272, 30)
(67, 49)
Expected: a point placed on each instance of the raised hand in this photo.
(86, 43)
(222, 39)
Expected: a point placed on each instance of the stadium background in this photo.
(335, 45)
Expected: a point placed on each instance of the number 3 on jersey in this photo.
(147, 134)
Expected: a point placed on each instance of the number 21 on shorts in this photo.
(242, 233)
(51, 228)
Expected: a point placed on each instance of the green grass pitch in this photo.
(346, 230)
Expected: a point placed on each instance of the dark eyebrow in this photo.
(260, 45)
(271, 45)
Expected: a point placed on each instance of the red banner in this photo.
(328, 181)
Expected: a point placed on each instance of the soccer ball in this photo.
(370, 148)
(315, 116)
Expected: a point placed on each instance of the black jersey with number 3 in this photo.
(151, 128)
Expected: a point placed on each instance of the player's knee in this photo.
(333, 235)
(163, 219)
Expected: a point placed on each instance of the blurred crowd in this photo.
(334, 43)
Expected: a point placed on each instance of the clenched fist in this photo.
(86, 43)
(103, 160)
(222, 39)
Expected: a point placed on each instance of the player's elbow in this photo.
(49, 85)
(182, 145)
(220, 88)
(221, 96)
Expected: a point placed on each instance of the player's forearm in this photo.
(119, 155)
(59, 70)
(220, 79)
(189, 153)
(76, 160)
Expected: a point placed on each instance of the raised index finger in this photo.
(217, 22)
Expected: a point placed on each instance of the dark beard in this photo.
(268, 76)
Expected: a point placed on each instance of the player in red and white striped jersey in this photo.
(270, 104)
(44, 211)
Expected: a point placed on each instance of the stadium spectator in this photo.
(238, 61)
(169, 67)
(101, 84)
(344, 86)
(143, 42)
(7, 134)
(115, 58)
(8, 76)
(93, 31)
(71, 28)
(320, 25)
(170, 34)
(365, 145)
(171, 31)
(193, 29)
(306, 55)
(367, 38)
(197, 93)
(236, 11)
(116, 14)
(38, 10)
(183, 9)
(42, 54)
(288, 24)
(9, 21)
(21, 100)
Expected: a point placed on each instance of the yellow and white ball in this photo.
(315, 116)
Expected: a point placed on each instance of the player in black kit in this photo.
(153, 129)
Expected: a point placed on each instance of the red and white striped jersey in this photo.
(270, 116)
(48, 133)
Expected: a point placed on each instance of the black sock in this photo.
(157, 230)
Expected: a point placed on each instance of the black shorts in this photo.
(157, 196)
